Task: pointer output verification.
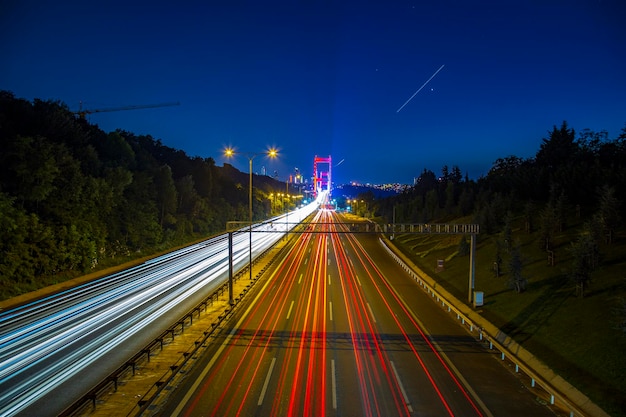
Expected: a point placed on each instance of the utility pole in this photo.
(472, 268)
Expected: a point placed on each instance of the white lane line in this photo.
(330, 309)
(358, 280)
(267, 381)
(306, 260)
(219, 351)
(300, 279)
(289, 312)
(333, 383)
(328, 279)
(371, 312)
(406, 397)
(454, 369)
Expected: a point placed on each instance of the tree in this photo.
(507, 231)
(466, 201)
(464, 246)
(32, 167)
(620, 312)
(456, 177)
(425, 182)
(529, 224)
(585, 258)
(504, 167)
(139, 214)
(204, 177)
(115, 150)
(450, 197)
(416, 206)
(609, 212)
(548, 226)
(166, 197)
(13, 234)
(77, 250)
(497, 260)
(558, 148)
(431, 206)
(445, 173)
(491, 211)
(517, 280)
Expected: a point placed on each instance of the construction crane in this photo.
(82, 113)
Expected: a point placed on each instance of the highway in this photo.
(55, 349)
(339, 329)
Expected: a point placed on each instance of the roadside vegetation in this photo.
(75, 199)
(580, 338)
(551, 253)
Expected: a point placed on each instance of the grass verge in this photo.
(577, 337)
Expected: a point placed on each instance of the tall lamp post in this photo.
(230, 152)
(288, 207)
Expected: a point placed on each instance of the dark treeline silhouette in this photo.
(582, 176)
(73, 196)
(566, 171)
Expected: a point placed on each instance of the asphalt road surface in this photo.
(56, 348)
(339, 329)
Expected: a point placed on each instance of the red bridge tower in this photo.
(321, 179)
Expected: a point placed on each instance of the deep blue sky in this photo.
(320, 77)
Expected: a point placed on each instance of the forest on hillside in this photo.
(572, 179)
(73, 197)
(581, 176)
(586, 171)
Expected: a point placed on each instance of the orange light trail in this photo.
(370, 265)
(302, 370)
(363, 330)
(271, 315)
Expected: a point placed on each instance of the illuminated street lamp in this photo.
(354, 206)
(272, 198)
(230, 152)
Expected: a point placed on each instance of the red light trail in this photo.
(312, 335)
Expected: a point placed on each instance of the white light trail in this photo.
(420, 89)
(45, 343)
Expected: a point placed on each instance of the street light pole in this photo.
(250, 217)
(272, 153)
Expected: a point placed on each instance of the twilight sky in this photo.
(323, 77)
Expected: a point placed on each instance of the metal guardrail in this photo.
(492, 341)
(109, 384)
(433, 228)
(153, 393)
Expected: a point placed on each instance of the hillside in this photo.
(551, 251)
(581, 338)
(75, 199)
